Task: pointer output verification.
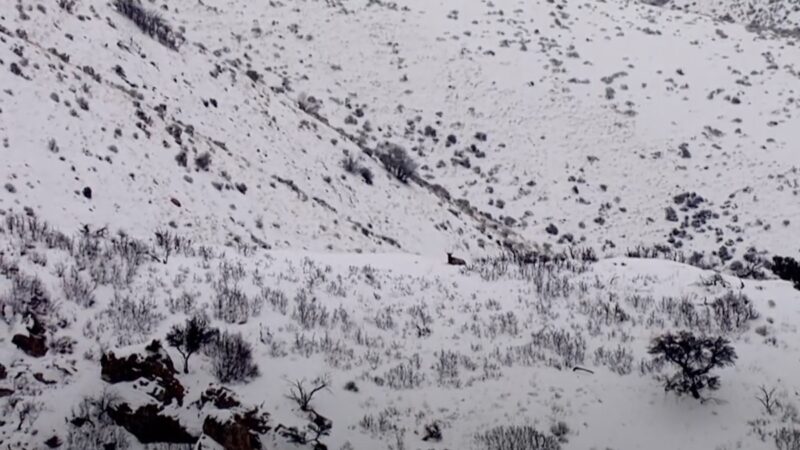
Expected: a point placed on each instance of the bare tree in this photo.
(767, 399)
(190, 337)
(303, 395)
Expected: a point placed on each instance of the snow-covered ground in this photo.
(558, 128)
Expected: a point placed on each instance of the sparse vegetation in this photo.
(516, 438)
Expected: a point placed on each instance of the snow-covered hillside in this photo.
(285, 178)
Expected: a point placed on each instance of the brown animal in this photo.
(453, 261)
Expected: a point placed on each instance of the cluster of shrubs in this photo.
(150, 22)
(397, 161)
(787, 269)
(231, 355)
(516, 438)
(353, 166)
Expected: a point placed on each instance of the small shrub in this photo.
(516, 438)
(302, 394)
(91, 427)
(433, 432)
(366, 175)
(232, 358)
(77, 289)
(350, 164)
(309, 104)
(733, 311)
(132, 320)
(203, 161)
(695, 357)
(787, 439)
(182, 158)
(560, 430)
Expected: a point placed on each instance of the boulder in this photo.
(149, 426)
(154, 367)
(220, 397)
(242, 432)
(32, 345)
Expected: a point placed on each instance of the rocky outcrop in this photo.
(150, 426)
(242, 432)
(219, 396)
(154, 367)
(32, 345)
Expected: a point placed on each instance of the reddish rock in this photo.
(154, 367)
(33, 345)
(150, 426)
(242, 432)
(220, 397)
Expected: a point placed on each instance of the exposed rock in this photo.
(3, 372)
(33, 345)
(239, 433)
(149, 426)
(5, 392)
(39, 376)
(220, 397)
(53, 442)
(154, 367)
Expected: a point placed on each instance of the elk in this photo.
(453, 261)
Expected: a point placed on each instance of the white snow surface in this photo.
(552, 125)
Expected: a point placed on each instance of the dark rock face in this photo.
(3, 372)
(53, 442)
(154, 367)
(149, 426)
(5, 392)
(33, 345)
(239, 433)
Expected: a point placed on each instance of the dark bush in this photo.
(203, 161)
(150, 22)
(787, 269)
(397, 161)
(695, 357)
(366, 175)
(232, 358)
(182, 158)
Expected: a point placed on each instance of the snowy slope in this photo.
(581, 133)
(424, 343)
(147, 104)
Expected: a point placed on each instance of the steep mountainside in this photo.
(223, 224)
